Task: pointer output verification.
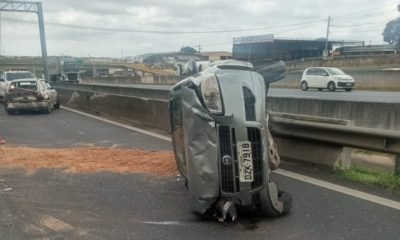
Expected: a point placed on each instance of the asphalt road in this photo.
(362, 96)
(51, 204)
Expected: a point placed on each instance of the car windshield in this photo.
(335, 71)
(19, 75)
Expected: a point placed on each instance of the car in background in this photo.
(30, 94)
(8, 76)
(326, 78)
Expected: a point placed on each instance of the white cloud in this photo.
(19, 38)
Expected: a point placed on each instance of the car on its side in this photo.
(9, 76)
(30, 94)
(326, 78)
(221, 139)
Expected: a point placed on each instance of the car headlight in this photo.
(211, 94)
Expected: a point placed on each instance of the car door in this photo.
(3, 85)
(51, 92)
(320, 78)
(311, 77)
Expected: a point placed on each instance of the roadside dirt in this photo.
(89, 160)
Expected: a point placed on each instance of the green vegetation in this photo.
(386, 180)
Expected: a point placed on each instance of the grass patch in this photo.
(381, 179)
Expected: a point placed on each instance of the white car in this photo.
(326, 77)
(9, 76)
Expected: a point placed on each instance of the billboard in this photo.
(254, 39)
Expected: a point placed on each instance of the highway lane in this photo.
(138, 206)
(339, 95)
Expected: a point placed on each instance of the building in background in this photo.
(167, 59)
(216, 56)
(266, 47)
(367, 50)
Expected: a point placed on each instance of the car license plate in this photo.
(348, 84)
(245, 162)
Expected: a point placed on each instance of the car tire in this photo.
(331, 87)
(348, 89)
(10, 112)
(304, 86)
(266, 207)
(57, 105)
(320, 89)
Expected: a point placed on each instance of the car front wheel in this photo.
(266, 208)
(304, 86)
(331, 87)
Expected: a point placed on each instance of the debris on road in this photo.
(2, 141)
(89, 160)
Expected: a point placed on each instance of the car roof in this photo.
(17, 71)
(322, 68)
(27, 80)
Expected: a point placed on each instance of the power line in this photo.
(160, 31)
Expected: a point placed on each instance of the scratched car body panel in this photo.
(220, 134)
(30, 94)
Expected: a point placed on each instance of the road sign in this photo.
(254, 39)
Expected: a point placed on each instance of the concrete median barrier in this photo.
(141, 111)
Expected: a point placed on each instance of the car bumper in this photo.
(40, 105)
(345, 84)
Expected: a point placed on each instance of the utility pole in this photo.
(325, 54)
(30, 7)
(0, 35)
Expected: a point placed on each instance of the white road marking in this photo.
(163, 223)
(119, 124)
(299, 177)
(341, 189)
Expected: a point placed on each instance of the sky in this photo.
(121, 28)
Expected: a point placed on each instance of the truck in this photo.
(63, 69)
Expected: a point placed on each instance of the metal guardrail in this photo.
(378, 140)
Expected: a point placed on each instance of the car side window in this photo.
(323, 72)
(311, 71)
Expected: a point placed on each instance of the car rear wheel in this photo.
(348, 89)
(304, 86)
(10, 112)
(57, 105)
(331, 87)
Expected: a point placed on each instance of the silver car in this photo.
(221, 140)
(30, 94)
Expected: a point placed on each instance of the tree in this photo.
(188, 50)
(391, 34)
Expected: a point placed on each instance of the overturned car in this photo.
(221, 140)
